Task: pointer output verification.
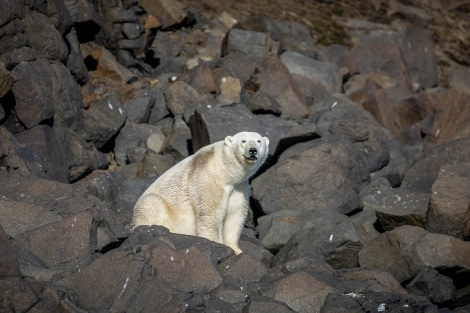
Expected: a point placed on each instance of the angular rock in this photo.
(201, 78)
(368, 136)
(42, 140)
(257, 45)
(6, 80)
(302, 292)
(138, 109)
(159, 110)
(170, 12)
(459, 78)
(421, 176)
(152, 269)
(8, 262)
(450, 200)
(17, 157)
(129, 193)
(276, 81)
(32, 91)
(261, 103)
(450, 121)
(75, 62)
(406, 250)
(179, 95)
(66, 244)
(324, 73)
(308, 176)
(109, 66)
(87, 22)
(209, 125)
(230, 90)
(328, 234)
(395, 207)
(178, 143)
(131, 136)
(436, 287)
(230, 64)
(104, 119)
(242, 269)
(44, 38)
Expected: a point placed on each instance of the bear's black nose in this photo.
(253, 151)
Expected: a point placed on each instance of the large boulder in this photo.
(308, 176)
(406, 250)
(450, 199)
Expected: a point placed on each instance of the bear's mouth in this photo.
(251, 158)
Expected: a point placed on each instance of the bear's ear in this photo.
(266, 140)
(228, 140)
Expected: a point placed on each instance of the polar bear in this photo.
(206, 194)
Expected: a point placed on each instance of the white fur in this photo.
(206, 194)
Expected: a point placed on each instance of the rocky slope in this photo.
(362, 206)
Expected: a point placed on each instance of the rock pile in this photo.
(362, 206)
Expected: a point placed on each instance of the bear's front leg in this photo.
(211, 213)
(235, 217)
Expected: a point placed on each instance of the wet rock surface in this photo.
(362, 206)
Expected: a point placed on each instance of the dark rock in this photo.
(309, 169)
(230, 64)
(151, 261)
(201, 78)
(129, 193)
(421, 176)
(406, 250)
(261, 103)
(267, 306)
(42, 140)
(447, 125)
(163, 46)
(302, 292)
(377, 302)
(326, 74)
(15, 56)
(209, 125)
(328, 234)
(394, 207)
(131, 136)
(75, 62)
(13, 36)
(44, 38)
(6, 80)
(17, 157)
(159, 110)
(459, 78)
(8, 262)
(179, 95)
(449, 200)
(86, 20)
(138, 109)
(170, 12)
(34, 102)
(104, 119)
(132, 30)
(369, 138)
(436, 287)
(103, 184)
(260, 24)
(257, 45)
(178, 143)
(230, 90)
(242, 269)
(276, 81)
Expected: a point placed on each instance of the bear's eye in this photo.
(243, 141)
(259, 141)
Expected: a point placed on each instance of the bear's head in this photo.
(249, 148)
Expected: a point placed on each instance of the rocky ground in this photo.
(362, 206)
